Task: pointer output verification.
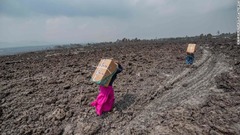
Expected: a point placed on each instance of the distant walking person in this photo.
(189, 58)
(105, 99)
(190, 54)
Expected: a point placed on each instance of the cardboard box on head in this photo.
(191, 48)
(104, 72)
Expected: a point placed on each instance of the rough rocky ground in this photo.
(49, 92)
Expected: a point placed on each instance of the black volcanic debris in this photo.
(49, 92)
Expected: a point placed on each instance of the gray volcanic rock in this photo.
(50, 92)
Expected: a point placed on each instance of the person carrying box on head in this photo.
(190, 54)
(105, 75)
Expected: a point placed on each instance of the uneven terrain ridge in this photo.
(49, 92)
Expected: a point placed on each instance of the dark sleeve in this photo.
(119, 69)
(192, 55)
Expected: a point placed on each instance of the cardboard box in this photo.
(191, 48)
(104, 72)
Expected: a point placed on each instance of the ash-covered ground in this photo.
(49, 92)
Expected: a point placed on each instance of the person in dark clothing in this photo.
(189, 58)
(105, 99)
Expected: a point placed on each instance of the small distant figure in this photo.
(189, 58)
(190, 54)
(105, 99)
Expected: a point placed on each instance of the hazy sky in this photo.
(80, 21)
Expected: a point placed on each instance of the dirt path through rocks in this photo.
(190, 87)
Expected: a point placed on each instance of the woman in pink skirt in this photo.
(105, 99)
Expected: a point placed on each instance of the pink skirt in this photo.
(104, 101)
